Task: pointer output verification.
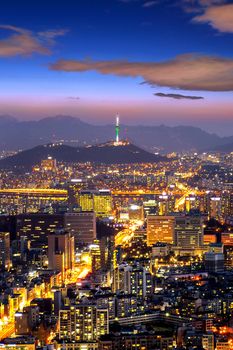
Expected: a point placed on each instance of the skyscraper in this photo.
(103, 203)
(188, 233)
(61, 251)
(86, 200)
(5, 261)
(82, 225)
(98, 201)
(133, 279)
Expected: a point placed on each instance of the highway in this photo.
(7, 330)
(186, 192)
(125, 236)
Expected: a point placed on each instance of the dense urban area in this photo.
(118, 256)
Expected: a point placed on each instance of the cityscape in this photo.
(116, 205)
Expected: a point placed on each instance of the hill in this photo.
(15, 135)
(225, 148)
(104, 153)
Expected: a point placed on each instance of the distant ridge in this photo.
(225, 148)
(104, 153)
(15, 135)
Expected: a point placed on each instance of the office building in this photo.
(82, 225)
(227, 205)
(71, 345)
(214, 262)
(5, 260)
(188, 232)
(86, 200)
(98, 201)
(160, 229)
(103, 203)
(61, 251)
(18, 343)
(166, 204)
(191, 203)
(215, 208)
(74, 186)
(36, 227)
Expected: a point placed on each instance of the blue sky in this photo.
(46, 49)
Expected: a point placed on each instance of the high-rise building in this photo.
(227, 205)
(36, 227)
(98, 201)
(191, 203)
(188, 231)
(73, 187)
(103, 203)
(5, 261)
(215, 208)
(166, 204)
(125, 305)
(133, 279)
(61, 251)
(82, 225)
(160, 229)
(214, 262)
(83, 322)
(86, 200)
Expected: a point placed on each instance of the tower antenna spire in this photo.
(117, 128)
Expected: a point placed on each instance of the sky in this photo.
(152, 61)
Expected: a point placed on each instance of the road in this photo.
(187, 192)
(125, 236)
(7, 330)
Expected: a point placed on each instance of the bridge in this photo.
(138, 193)
(34, 192)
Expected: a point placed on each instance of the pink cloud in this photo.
(219, 17)
(187, 72)
(24, 42)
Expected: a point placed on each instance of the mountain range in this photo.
(103, 153)
(15, 135)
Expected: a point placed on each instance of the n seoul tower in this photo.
(117, 128)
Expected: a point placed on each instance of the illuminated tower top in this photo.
(117, 128)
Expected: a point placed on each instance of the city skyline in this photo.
(160, 62)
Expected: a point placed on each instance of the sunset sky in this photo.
(153, 61)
